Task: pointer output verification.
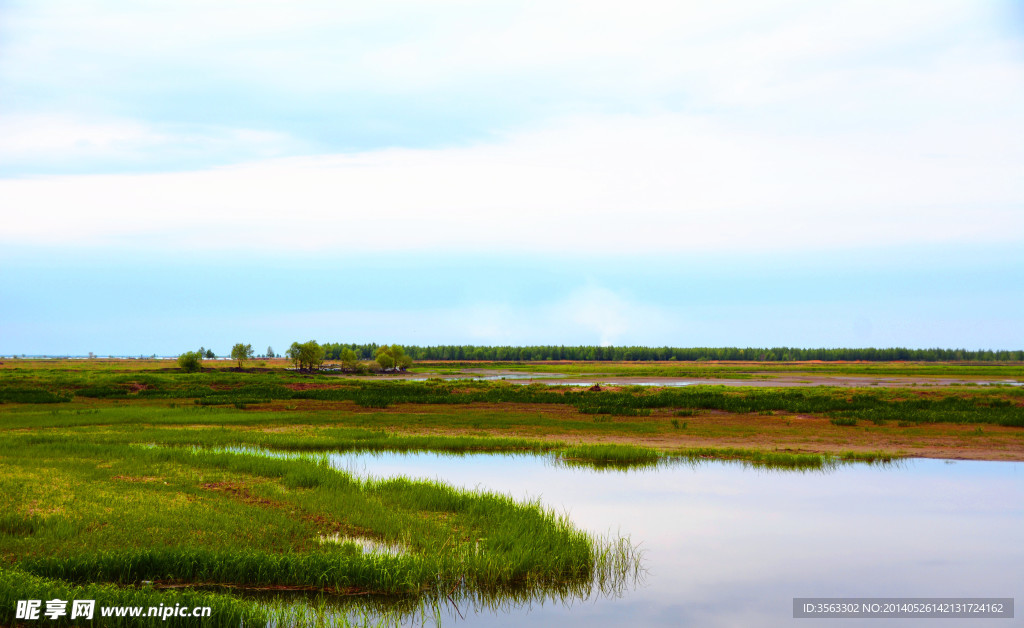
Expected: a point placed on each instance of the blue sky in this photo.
(665, 173)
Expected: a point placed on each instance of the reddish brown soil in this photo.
(781, 432)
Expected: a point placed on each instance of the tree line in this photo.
(508, 353)
(372, 357)
(310, 356)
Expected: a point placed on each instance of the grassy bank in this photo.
(214, 517)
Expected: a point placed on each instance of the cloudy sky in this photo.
(801, 173)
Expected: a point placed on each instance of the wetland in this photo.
(285, 498)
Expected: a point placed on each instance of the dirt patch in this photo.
(329, 526)
(241, 493)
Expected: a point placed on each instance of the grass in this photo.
(620, 456)
(202, 516)
(843, 421)
(994, 405)
(17, 584)
(991, 405)
(780, 460)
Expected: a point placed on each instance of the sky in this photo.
(769, 173)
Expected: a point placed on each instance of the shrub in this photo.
(190, 361)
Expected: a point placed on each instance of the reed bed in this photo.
(780, 460)
(610, 455)
(455, 539)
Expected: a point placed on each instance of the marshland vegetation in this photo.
(113, 475)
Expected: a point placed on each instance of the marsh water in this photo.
(729, 545)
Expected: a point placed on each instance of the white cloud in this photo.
(738, 54)
(754, 125)
(650, 185)
(41, 139)
(31, 136)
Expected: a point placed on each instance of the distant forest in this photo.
(693, 354)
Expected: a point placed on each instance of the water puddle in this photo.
(516, 378)
(622, 383)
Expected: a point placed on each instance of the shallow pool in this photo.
(727, 545)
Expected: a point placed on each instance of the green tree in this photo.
(210, 354)
(241, 353)
(270, 352)
(385, 360)
(349, 359)
(306, 356)
(190, 361)
(392, 357)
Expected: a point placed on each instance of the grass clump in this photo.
(756, 457)
(610, 455)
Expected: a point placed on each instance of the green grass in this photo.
(202, 516)
(778, 460)
(993, 405)
(255, 518)
(17, 584)
(622, 456)
(843, 421)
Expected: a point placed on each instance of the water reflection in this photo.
(616, 572)
(760, 461)
(726, 545)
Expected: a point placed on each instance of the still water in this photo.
(728, 545)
